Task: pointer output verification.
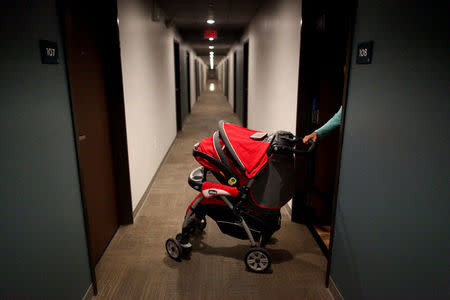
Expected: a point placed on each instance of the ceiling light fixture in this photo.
(211, 47)
(210, 21)
(211, 53)
(211, 39)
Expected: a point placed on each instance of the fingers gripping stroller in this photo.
(253, 174)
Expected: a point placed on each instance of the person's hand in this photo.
(312, 136)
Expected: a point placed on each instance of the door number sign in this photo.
(49, 52)
(364, 54)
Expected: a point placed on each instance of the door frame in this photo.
(351, 30)
(351, 8)
(111, 61)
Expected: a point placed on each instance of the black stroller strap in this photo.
(219, 150)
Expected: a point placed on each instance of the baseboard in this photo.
(334, 291)
(89, 293)
(147, 190)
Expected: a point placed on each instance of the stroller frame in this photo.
(232, 196)
(188, 220)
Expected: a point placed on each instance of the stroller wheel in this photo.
(186, 248)
(202, 224)
(257, 260)
(173, 248)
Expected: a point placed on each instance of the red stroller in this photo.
(255, 173)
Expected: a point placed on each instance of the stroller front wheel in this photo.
(257, 260)
(173, 248)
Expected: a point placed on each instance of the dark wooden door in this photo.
(245, 98)
(197, 81)
(226, 78)
(234, 80)
(188, 78)
(92, 127)
(176, 49)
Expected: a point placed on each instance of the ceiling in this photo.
(189, 17)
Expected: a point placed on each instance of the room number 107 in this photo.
(50, 51)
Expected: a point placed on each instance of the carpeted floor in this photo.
(136, 266)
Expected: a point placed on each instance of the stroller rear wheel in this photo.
(202, 224)
(173, 248)
(257, 260)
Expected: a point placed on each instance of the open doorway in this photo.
(176, 53)
(326, 36)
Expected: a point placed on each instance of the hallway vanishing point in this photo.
(136, 266)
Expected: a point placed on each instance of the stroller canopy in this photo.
(247, 148)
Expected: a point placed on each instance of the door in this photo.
(245, 96)
(188, 76)
(197, 81)
(226, 78)
(234, 80)
(176, 49)
(92, 124)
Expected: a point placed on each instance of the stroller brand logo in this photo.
(212, 192)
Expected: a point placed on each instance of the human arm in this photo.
(326, 129)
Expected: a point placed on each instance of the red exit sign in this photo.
(210, 34)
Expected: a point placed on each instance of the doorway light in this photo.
(210, 21)
(211, 53)
(212, 87)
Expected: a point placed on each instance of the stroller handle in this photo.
(312, 147)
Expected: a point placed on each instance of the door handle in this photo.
(81, 137)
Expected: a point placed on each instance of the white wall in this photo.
(149, 89)
(274, 51)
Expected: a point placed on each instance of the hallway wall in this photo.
(43, 246)
(274, 50)
(392, 224)
(149, 88)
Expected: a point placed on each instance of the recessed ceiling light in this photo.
(210, 21)
(211, 47)
(211, 39)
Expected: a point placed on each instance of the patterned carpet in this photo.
(136, 266)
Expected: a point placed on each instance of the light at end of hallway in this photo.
(212, 87)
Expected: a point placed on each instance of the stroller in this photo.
(254, 178)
